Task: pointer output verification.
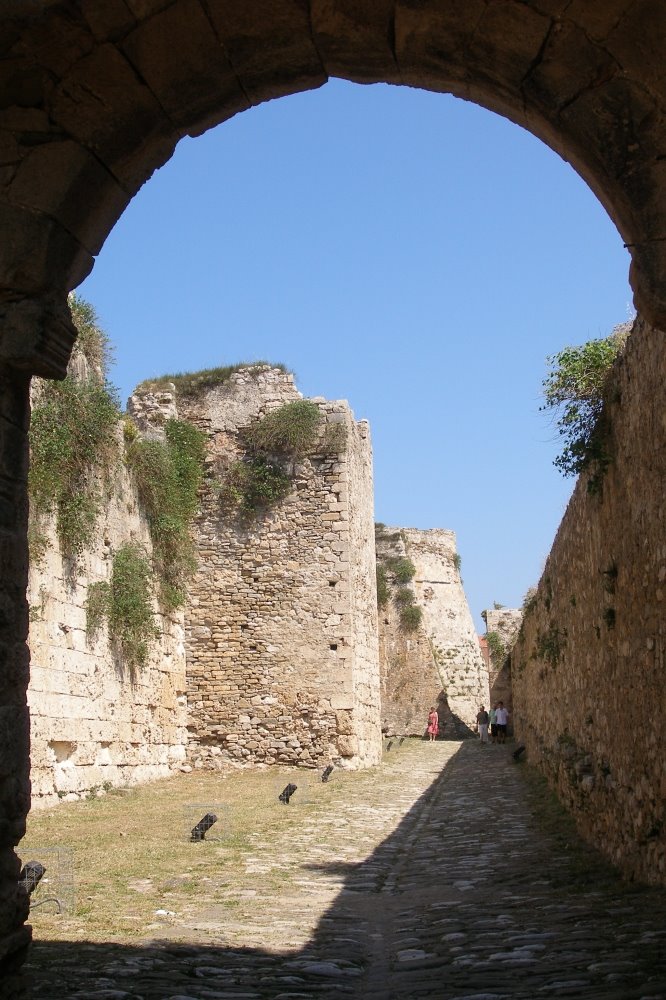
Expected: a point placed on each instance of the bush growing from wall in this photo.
(92, 341)
(404, 596)
(74, 450)
(168, 475)
(530, 600)
(577, 390)
(252, 484)
(403, 569)
(383, 592)
(550, 645)
(73, 444)
(291, 430)
(410, 614)
(496, 648)
(97, 608)
(410, 617)
(125, 604)
(397, 570)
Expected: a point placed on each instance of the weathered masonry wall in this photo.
(282, 622)
(358, 494)
(504, 623)
(440, 662)
(588, 667)
(94, 724)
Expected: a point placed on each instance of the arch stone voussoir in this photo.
(86, 209)
(37, 254)
(270, 45)
(357, 39)
(104, 105)
(201, 85)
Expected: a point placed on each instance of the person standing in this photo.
(482, 725)
(492, 715)
(433, 724)
(502, 716)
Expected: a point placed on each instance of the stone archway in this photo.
(95, 94)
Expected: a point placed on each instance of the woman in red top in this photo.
(433, 724)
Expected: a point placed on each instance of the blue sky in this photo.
(412, 253)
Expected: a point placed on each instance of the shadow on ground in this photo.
(471, 896)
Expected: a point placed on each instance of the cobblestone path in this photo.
(429, 877)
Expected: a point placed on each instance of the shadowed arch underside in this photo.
(97, 94)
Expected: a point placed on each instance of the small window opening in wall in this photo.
(333, 646)
(243, 628)
(62, 749)
(253, 647)
(256, 579)
(332, 583)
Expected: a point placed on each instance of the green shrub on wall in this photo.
(97, 607)
(168, 475)
(404, 596)
(397, 570)
(291, 429)
(125, 604)
(383, 592)
(92, 341)
(577, 390)
(550, 645)
(253, 484)
(496, 647)
(410, 617)
(73, 448)
(410, 614)
(403, 569)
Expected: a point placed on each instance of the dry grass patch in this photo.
(133, 856)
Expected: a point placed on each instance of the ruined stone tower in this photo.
(281, 619)
(438, 662)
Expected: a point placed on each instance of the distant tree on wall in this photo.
(577, 390)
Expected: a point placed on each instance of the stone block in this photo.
(344, 723)
(134, 136)
(355, 39)
(347, 746)
(201, 87)
(63, 180)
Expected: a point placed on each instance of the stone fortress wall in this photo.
(276, 658)
(282, 615)
(588, 668)
(440, 662)
(94, 723)
(505, 623)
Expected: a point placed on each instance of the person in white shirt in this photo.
(502, 718)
